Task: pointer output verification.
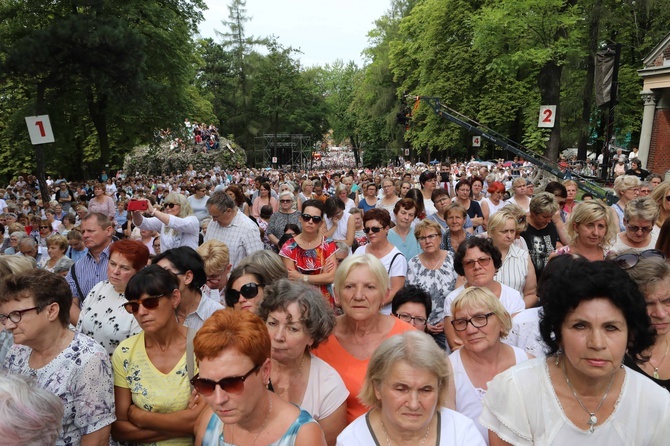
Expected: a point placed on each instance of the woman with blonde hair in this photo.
(177, 224)
(627, 188)
(56, 247)
(517, 270)
(216, 256)
(592, 229)
(481, 322)
(661, 195)
(520, 198)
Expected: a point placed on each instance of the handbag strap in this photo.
(190, 357)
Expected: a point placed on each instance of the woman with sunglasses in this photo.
(310, 256)
(651, 272)
(661, 195)
(233, 353)
(376, 224)
(478, 260)
(176, 223)
(154, 403)
(433, 270)
(481, 322)
(245, 287)
(639, 219)
(298, 320)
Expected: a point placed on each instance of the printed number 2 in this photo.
(40, 124)
(547, 115)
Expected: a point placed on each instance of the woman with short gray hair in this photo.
(640, 226)
(285, 214)
(298, 319)
(409, 373)
(29, 415)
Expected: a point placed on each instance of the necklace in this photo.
(388, 441)
(593, 420)
(439, 261)
(309, 242)
(656, 375)
(265, 423)
(282, 390)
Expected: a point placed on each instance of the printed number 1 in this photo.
(41, 126)
(547, 115)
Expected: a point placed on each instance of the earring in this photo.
(559, 352)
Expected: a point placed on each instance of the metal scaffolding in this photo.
(288, 150)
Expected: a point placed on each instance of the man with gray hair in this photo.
(232, 227)
(28, 247)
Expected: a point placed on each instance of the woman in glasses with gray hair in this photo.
(639, 222)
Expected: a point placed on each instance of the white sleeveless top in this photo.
(468, 397)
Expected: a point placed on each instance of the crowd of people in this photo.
(457, 304)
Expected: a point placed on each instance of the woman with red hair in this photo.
(233, 353)
(494, 202)
(102, 316)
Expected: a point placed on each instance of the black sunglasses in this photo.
(171, 205)
(249, 291)
(374, 229)
(315, 218)
(233, 385)
(627, 261)
(149, 303)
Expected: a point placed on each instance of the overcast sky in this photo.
(324, 30)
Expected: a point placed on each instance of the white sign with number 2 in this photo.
(547, 116)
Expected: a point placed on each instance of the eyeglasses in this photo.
(171, 205)
(286, 201)
(44, 227)
(233, 385)
(427, 237)
(315, 218)
(410, 319)
(374, 229)
(478, 321)
(15, 316)
(248, 291)
(149, 303)
(482, 261)
(627, 261)
(521, 220)
(644, 229)
(667, 198)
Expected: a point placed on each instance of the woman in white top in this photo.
(177, 224)
(481, 321)
(339, 227)
(494, 201)
(517, 270)
(376, 224)
(389, 199)
(520, 198)
(477, 259)
(582, 393)
(341, 193)
(299, 319)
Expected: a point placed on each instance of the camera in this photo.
(137, 205)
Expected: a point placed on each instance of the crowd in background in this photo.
(194, 307)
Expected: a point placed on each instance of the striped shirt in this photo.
(89, 273)
(514, 269)
(242, 237)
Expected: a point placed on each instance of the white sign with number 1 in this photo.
(39, 128)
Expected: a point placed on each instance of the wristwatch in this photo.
(305, 278)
